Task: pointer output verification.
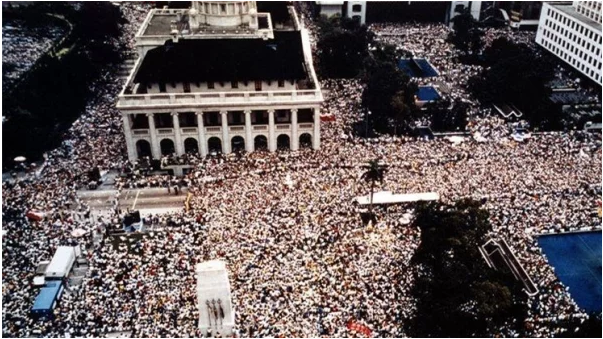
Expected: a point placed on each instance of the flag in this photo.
(352, 325)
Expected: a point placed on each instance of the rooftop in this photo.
(225, 60)
(160, 21)
(569, 10)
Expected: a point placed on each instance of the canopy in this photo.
(387, 197)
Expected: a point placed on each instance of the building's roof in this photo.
(569, 10)
(225, 60)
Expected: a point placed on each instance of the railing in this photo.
(260, 128)
(281, 127)
(140, 131)
(237, 128)
(217, 98)
(189, 130)
(305, 126)
(165, 131)
(213, 129)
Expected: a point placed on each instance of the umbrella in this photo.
(78, 232)
(20, 159)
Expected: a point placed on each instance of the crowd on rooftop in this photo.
(301, 261)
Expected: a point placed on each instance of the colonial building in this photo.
(221, 76)
(572, 31)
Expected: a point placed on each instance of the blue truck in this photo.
(47, 299)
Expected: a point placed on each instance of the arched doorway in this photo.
(167, 147)
(237, 144)
(260, 143)
(305, 140)
(283, 142)
(214, 145)
(143, 149)
(191, 145)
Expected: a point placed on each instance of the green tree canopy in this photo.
(458, 294)
(518, 75)
(467, 35)
(342, 46)
(388, 94)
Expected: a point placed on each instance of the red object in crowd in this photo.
(328, 117)
(352, 325)
(35, 216)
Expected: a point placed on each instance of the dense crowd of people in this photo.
(23, 45)
(301, 261)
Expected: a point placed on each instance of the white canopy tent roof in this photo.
(387, 197)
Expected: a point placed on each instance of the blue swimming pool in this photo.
(577, 261)
(427, 93)
(417, 68)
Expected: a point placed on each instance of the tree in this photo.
(517, 75)
(401, 111)
(447, 115)
(467, 35)
(342, 46)
(388, 93)
(577, 328)
(453, 283)
(375, 172)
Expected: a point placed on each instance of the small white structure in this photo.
(213, 293)
(387, 197)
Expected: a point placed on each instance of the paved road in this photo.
(156, 200)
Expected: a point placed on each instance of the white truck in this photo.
(62, 262)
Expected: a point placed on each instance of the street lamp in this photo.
(366, 123)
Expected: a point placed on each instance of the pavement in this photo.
(146, 200)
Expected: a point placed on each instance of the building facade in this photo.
(331, 8)
(572, 31)
(219, 77)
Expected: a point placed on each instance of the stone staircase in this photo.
(126, 68)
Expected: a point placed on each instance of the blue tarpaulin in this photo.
(427, 93)
(577, 261)
(417, 68)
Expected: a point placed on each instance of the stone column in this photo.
(316, 138)
(271, 131)
(225, 138)
(201, 131)
(131, 148)
(177, 134)
(294, 136)
(248, 134)
(155, 149)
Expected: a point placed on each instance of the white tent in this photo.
(387, 197)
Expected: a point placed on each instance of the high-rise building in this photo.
(218, 77)
(572, 31)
